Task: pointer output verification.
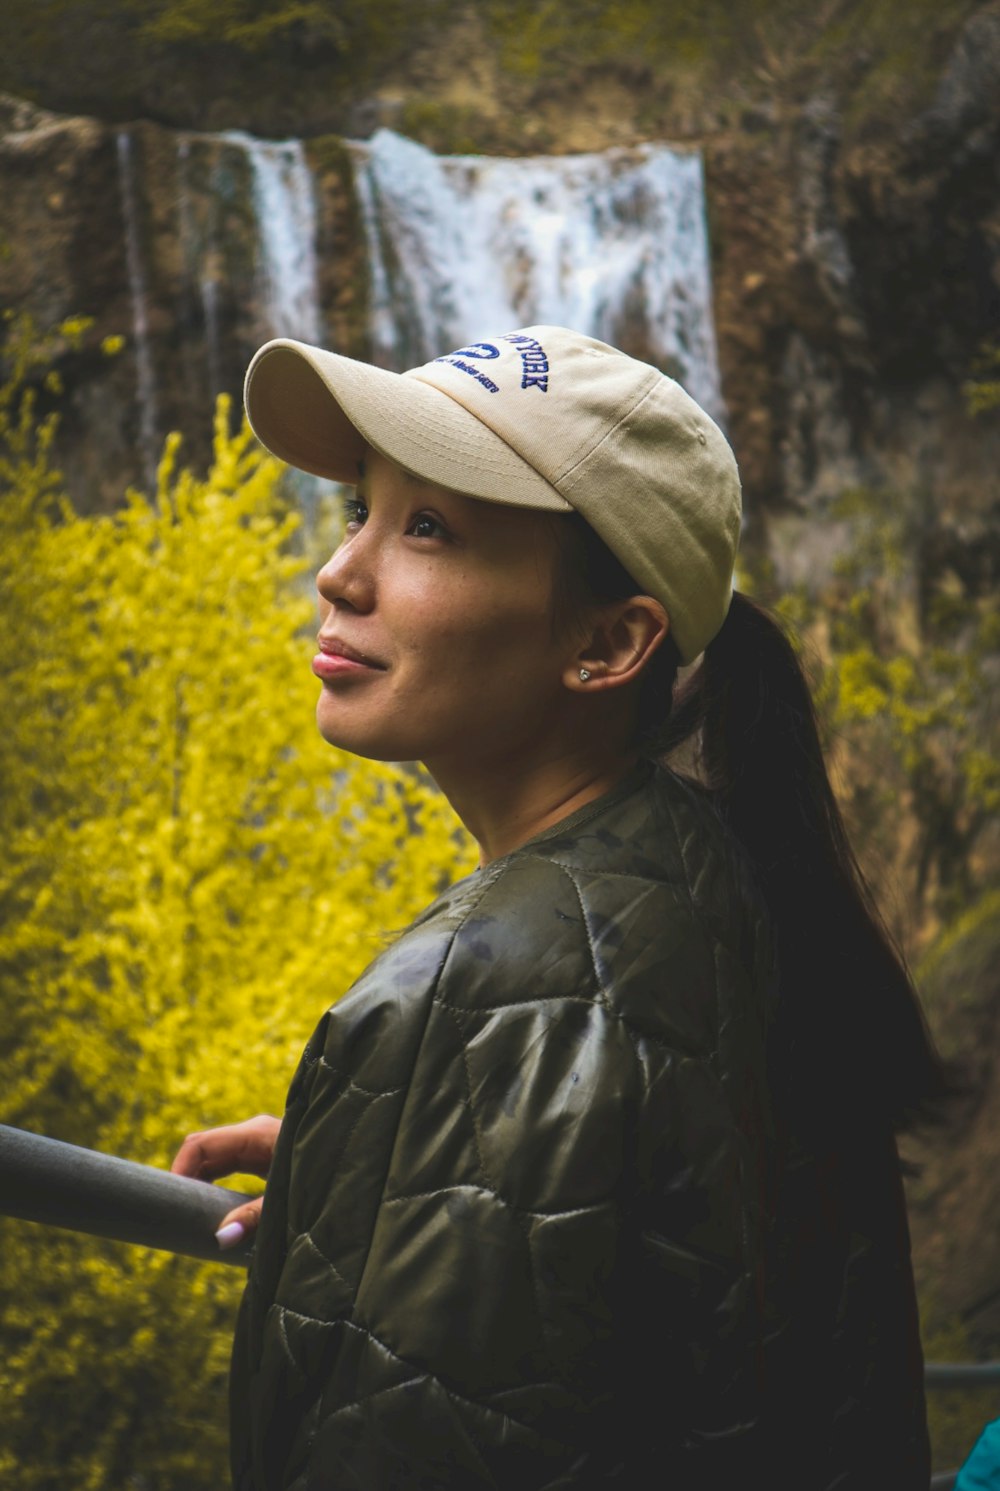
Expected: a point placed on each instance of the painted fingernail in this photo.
(230, 1235)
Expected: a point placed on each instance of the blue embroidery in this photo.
(453, 359)
(485, 350)
(534, 362)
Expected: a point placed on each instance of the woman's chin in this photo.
(360, 738)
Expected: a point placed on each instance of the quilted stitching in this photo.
(524, 1145)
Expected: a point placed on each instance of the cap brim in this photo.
(318, 410)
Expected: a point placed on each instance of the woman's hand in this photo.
(238, 1148)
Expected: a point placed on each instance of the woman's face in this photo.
(436, 636)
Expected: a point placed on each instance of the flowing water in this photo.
(458, 247)
(139, 297)
(285, 213)
(613, 244)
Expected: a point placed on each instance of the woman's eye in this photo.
(355, 511)
(424, 526)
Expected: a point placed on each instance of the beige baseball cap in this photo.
(545, 418)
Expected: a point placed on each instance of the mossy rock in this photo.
(444, 127)
(959, 979)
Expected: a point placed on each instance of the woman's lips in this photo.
(338, 660)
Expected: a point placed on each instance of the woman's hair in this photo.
(849, 1040)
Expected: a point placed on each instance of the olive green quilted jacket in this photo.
(522, 1230)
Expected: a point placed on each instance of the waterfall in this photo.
(381, 322)
(285, 210)
(613, 244)
(138, 294)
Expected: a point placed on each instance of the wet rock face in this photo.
(57, 256)
(856, 281)
(155, 235)
(964, 108)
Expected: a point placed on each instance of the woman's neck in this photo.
(504, 804)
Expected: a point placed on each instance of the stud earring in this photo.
(584, 674)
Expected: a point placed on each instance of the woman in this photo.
(591, 1178)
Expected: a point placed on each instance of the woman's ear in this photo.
(623, 637)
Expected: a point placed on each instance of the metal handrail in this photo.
(62, 1185)
(961, 1374)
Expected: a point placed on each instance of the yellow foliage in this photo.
(982, 392)
(190, 875)
(862, 694)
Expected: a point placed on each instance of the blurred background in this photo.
(792, 207)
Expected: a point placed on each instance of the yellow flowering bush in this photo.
(190, 875)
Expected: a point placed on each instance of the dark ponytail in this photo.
(850, 1039)
(849, 1042)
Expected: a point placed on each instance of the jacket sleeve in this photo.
(453, 1243)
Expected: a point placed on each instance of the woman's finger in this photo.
(237, 1147)
(239, 1223)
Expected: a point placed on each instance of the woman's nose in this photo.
(346, 578)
